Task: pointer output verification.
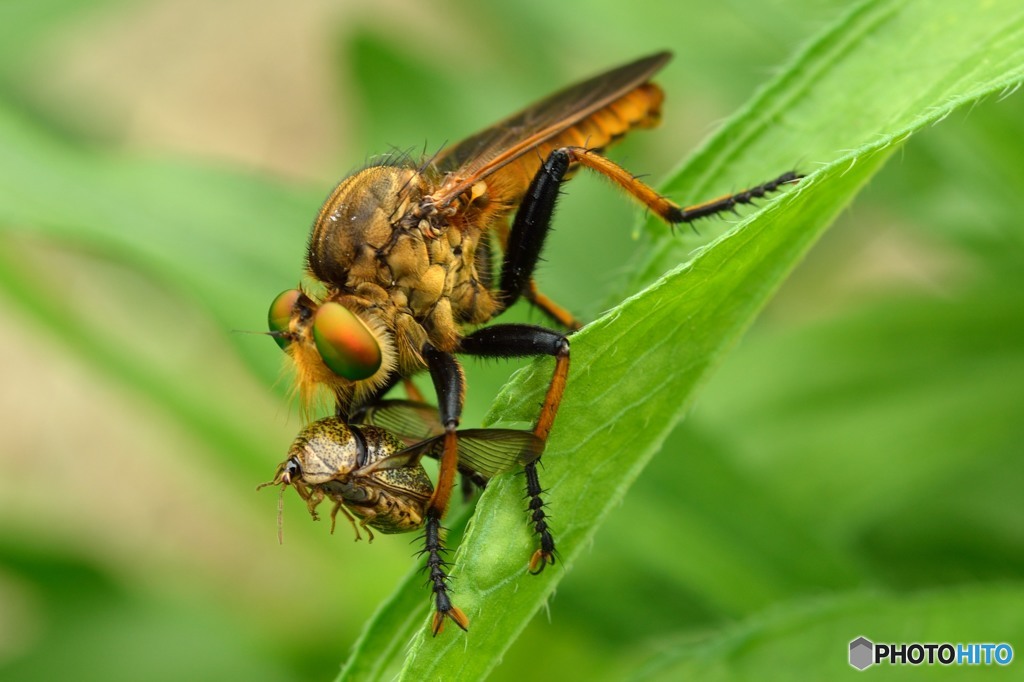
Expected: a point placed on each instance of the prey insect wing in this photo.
(488, 452)
(412, 421)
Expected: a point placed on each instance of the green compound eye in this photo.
(346, 345)
(280, 315)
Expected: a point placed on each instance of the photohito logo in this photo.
(865, 653)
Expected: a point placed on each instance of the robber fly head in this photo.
(336, 343)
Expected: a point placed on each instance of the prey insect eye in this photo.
(280, 315)
(346, 345)
(292, 469)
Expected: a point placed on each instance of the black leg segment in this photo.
(437, 577)
(729, 203)
(449, 384)
(522, 340)
(531, 225)
(514, 341)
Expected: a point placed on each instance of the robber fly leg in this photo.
(533, 219)
(667, 210)
(349, 412)
(438, 577)
(526, 240)
(550, 308)
(411, 391)
(522, 340)
(450, 386)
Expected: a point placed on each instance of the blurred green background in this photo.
(160, 164)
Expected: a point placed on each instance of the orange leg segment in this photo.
(665, 209)
(550, 308)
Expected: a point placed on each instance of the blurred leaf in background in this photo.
(161, 164)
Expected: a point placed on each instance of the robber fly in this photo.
(406, 253)
(373, 474)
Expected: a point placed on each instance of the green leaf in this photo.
(884, 71)
(812, 637)
(131, 211)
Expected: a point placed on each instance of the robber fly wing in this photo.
(482, 154)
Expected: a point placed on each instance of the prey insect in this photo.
(413, 257)
(371, 474)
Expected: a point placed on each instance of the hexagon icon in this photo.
(861, 650)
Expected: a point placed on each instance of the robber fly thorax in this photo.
(406, 271)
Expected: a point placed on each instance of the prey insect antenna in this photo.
(280, 516)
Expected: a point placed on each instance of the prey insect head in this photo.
(288, 473)
(290, 470)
